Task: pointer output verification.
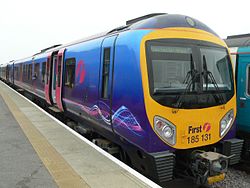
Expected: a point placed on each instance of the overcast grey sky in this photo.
(27, 26)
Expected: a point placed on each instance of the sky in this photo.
(27, 26)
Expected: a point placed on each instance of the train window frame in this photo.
(106, 72)
(72, 66)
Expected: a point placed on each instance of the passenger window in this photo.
(47, 72)
(59, 71)
(70, 72)
(24, 71)
(17, 76)
(105, 73)
(37, 70)
(29, 71)
(16, 72)
(248, 80)
(21, 71)
(43, 71)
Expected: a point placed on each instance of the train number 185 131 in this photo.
(198, 138)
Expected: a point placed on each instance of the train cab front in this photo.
(189, 95)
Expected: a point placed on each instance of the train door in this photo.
(243, 92)
(53, 83)
(59, 73)
(106, 80)
(47, 86)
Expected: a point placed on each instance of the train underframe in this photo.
(246, 147)
(204, 165)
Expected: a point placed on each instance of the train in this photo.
(159, 91)
(240, 52)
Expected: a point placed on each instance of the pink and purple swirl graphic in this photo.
(121, 118)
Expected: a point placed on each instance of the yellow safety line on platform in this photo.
(63, 174)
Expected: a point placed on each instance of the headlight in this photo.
(165, 130)
(226, 122)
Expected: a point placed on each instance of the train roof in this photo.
(150, 21)
(170, 20)
(238, 40)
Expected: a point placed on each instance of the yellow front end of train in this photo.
(209, 94)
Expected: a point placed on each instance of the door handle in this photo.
(243, 98)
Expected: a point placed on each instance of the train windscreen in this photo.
(189, 74)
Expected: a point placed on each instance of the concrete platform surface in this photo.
(32, 143)
(20, 166)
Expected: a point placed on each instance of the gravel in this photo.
(234, 179)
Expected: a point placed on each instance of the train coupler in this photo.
(208, 167)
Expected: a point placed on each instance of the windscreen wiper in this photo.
(207, 74)
(190, 80)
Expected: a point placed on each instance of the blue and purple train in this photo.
(161, 88)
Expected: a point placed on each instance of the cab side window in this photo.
(105, 73)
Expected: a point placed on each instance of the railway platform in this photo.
(37, 150)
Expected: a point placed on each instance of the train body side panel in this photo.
(27, 75)
(243, 89)
(81, 96)
(130, 120)
(17, 73)
(39, 75)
